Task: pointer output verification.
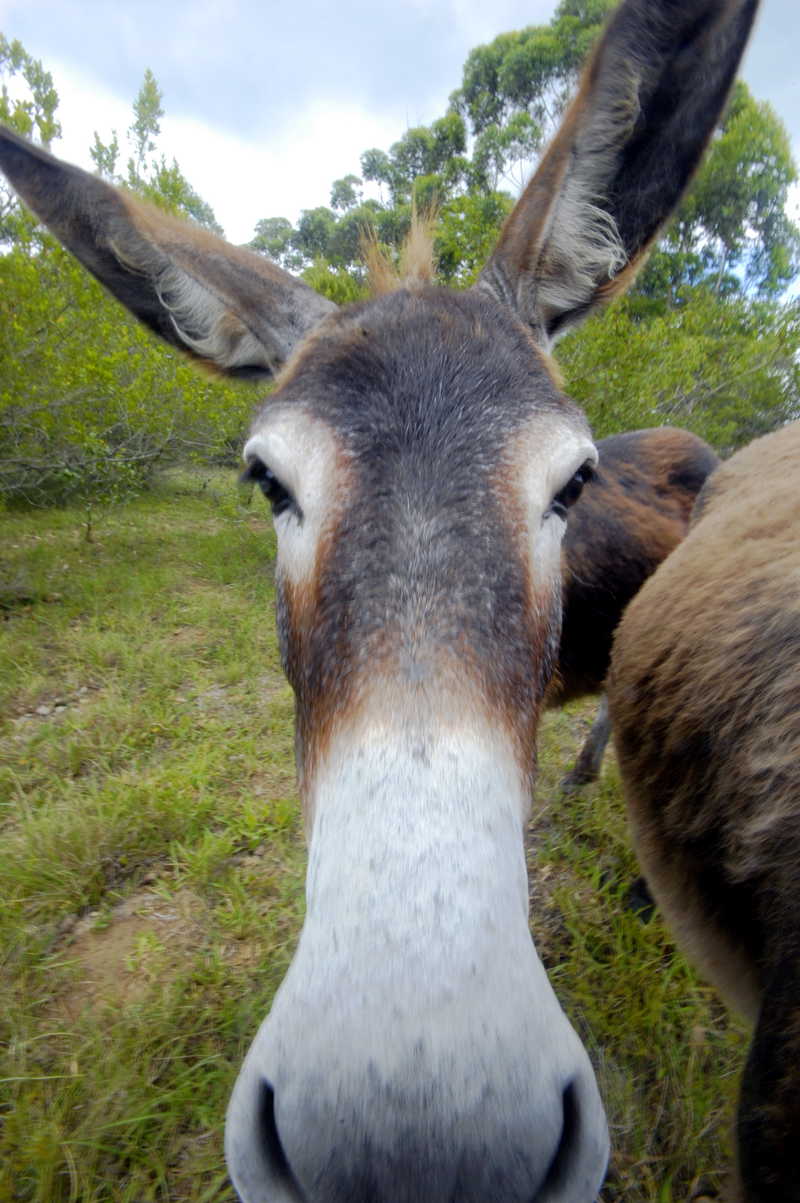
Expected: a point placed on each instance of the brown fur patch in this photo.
(623, 526)
(703, 693)
(415, 265)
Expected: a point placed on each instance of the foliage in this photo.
(434, 150)
(512, 92)
(726, 369)
(731, 231)
(31, 112)
(150, 175)
(90, 404)
(702, 342)
(273, 238)
(335, 283)
(466, 231)
(346, 193)
(146, 126)
(515, 89)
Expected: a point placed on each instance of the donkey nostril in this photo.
(568, 1147)
(272, 1147)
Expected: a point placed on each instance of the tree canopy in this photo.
(703, 340)
(731, 232)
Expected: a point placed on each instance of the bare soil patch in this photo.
(117, 958)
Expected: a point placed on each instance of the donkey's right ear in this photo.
(222, 304)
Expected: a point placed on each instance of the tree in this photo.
(314, 231)
(732, 229)
(106, 155)
(466, 231)
(514, 89)
(168, 187)
(702, 340)
(146, 127)
(90, 404)
(273, 237)
(162, 183)
(725, 368)
(345, 193)
(424, 151)
(31, 113)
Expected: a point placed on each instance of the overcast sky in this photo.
(267, 102)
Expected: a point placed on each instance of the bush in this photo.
(90, 402)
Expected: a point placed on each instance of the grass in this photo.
(152, 862)
(666, 1052)
(145, 759)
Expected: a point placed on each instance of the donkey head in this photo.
(420, 459)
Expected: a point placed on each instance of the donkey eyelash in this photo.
(278, 496)
(569, 494)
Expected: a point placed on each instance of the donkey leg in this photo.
(590, 759)
(768, 1122)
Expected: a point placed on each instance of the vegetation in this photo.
(152, 866)
(731, 232)
(152, 858)
(90, 403)
(728, 370)
(706, 339)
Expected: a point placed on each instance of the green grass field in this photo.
(152, 862)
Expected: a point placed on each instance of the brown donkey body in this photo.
(705, 699)
(619, 531)
(420, 460)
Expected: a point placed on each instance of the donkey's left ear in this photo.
(649, 100)
(219, 303)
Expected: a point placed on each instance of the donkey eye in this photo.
(276, 494)
(572, 490)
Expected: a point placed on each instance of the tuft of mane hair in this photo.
(414, 267)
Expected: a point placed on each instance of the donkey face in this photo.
(416, 455)
(420, 461)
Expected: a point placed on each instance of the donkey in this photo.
(420, 460)
(704, 690)
(619, 531)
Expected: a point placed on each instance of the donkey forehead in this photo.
(429, 372)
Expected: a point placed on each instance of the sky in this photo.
(268, 101)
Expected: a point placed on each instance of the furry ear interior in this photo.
(219, 303)
(648, 103)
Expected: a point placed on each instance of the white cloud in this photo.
(84, 106)
(241, 180)
(479, 22)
